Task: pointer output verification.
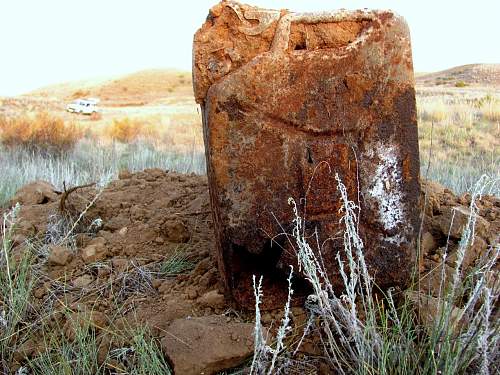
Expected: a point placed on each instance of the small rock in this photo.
(208, 279)
(191, 292)
(123, 231)
(176, 231)
(156, 283)
(25, 350)
(104, 348)
(103, 272)
(95, 251)
(39, 292)
(433, 192)
(88, 319)
(98, 319)
(472, 253)
(430, 310)
(59, 255)
(100, 241)
(454, 220)
(120, 264)
(266, 318)
(433, 280)
(207, 345)
(203, 266)
(124, 174)
(212, 299)
(83, 281)
(166, 286)
(427, 243)
(37, 192)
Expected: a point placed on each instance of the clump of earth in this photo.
(142, 253)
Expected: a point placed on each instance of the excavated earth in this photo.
(116, 268)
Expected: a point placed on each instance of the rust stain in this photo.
(284, 109)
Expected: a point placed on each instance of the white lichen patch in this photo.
(386, 188)
(397, 239)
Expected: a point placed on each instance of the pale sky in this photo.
(51, 41)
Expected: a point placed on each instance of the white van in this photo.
(84, 106)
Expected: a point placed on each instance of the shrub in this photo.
(128, 130)
(39, 132)
(369, 331)
(490, 108)
(95, 116)
(16, 286)
(461, 84)
(80, 94)
(436, 110)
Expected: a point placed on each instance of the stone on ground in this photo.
(37, 192)
(207, 345)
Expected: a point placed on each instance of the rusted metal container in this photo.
(288, 100)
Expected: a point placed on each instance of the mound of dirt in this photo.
(140, 254)
(477, 75)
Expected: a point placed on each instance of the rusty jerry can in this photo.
(288, 100)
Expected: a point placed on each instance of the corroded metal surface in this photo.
(288, 100)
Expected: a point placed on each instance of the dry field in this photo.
(459, 136)
(149, 119)
(115, 277)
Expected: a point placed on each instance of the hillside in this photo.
(476, 75)
(153, 85)
(140, 88)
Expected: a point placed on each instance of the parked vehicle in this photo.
(83, 106)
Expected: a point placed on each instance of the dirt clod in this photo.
(38, 192)
(59, 255)
(95, 251)
(212, 299)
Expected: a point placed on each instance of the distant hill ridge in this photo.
(138, 88)
(477, 75)
(150, 85)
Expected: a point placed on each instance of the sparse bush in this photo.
(16, 286)
(80, 94)
(369, 331)
(128, 130)
(490, 108)
(81, 356)
(436, 111)
(175, 264)
(461, 84)
(40, 132)
(89, 162)
(95, 116)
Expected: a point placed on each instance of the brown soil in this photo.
(115, 270)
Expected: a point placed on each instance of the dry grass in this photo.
(459, 138)
(71, 348)
(366, 331)
(490, 109)
(181, 131)
(128, 130)
(39, 132)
